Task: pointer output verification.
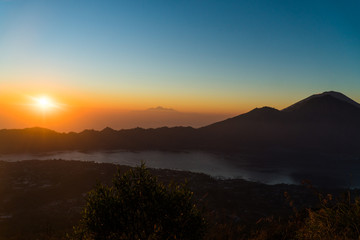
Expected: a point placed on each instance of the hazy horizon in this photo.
(64, 118)
(98, 119)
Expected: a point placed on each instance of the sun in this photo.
(45, 103)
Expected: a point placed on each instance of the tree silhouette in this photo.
(137, 206)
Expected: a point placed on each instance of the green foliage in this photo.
(137, 206)
(334, 220)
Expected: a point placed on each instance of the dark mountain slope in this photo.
(264, 114)
(337, 95)
(325, 108)
(328, 122)
(42, 140)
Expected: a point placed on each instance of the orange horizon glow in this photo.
(66, 111)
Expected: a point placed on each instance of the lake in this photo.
(216, 165)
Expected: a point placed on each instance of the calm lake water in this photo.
(337, 172)
(215, 165)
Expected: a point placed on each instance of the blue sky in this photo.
(226, 56)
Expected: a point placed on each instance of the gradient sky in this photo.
(193, 56)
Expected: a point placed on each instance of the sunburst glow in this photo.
(45, 103)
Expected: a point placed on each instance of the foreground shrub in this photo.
(334, 220)
(137, 206)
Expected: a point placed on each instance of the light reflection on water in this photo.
(195, 161)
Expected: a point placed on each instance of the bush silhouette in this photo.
(137, 206)
(336, 219)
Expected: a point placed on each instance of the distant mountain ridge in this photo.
(160, 108)
(324, 123)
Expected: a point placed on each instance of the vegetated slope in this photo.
(36, 140)
(323, 123)
(44, 199)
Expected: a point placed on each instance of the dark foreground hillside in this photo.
(43, 199)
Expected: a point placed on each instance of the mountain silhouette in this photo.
(324, 95)
(326, 123)
(326, 107)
